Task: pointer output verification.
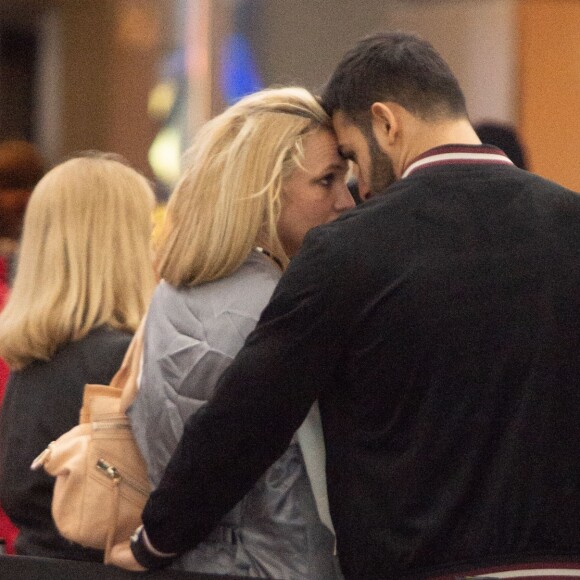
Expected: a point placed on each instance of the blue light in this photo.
(239, 70)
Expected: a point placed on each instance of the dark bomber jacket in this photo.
(439, 326)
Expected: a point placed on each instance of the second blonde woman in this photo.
(83, 282)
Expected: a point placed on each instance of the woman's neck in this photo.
(270, 255)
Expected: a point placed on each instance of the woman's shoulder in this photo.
(248, 289)
(100, 344)
(102, 338)
(253, 282)
(260, 265)
(53, 389)
(256, 270)
(245, 293)
(92, 359)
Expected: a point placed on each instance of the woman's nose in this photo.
(344, 199)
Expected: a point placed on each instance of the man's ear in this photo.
(385, 124)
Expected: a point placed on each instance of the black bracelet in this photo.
(144, 556)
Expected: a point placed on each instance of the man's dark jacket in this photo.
(439, 326)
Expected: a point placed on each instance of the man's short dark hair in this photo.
(397, 67)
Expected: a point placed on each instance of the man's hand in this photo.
(122, 556)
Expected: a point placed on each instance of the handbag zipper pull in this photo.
(41, 458)
(109, 470)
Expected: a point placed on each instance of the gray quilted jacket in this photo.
(191, 336)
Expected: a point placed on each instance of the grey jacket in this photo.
(191, 336)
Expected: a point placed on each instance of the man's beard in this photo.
(382, 170)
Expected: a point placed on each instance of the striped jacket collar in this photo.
(458, 154)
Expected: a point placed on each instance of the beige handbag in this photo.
(101, 478)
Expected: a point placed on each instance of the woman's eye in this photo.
(327, 180)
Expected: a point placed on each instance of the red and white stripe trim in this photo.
(458, 154)
(546, 570)
(559, 573)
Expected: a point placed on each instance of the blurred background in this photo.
(138, 76)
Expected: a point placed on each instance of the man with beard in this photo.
(438, 325)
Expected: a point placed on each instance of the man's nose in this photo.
(363, 189)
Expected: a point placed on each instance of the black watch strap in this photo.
(142, 550)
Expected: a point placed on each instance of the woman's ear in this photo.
(385, 124)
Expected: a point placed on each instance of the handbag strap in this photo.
(113, 520)
(127, 377)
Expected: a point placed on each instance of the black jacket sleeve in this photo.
(261, 399)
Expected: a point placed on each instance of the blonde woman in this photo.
(259, 176)
(83, 282)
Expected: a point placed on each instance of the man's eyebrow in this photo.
(333, 167)
(345, 153)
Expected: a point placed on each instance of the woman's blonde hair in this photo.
(229, 197)
(85, 258)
